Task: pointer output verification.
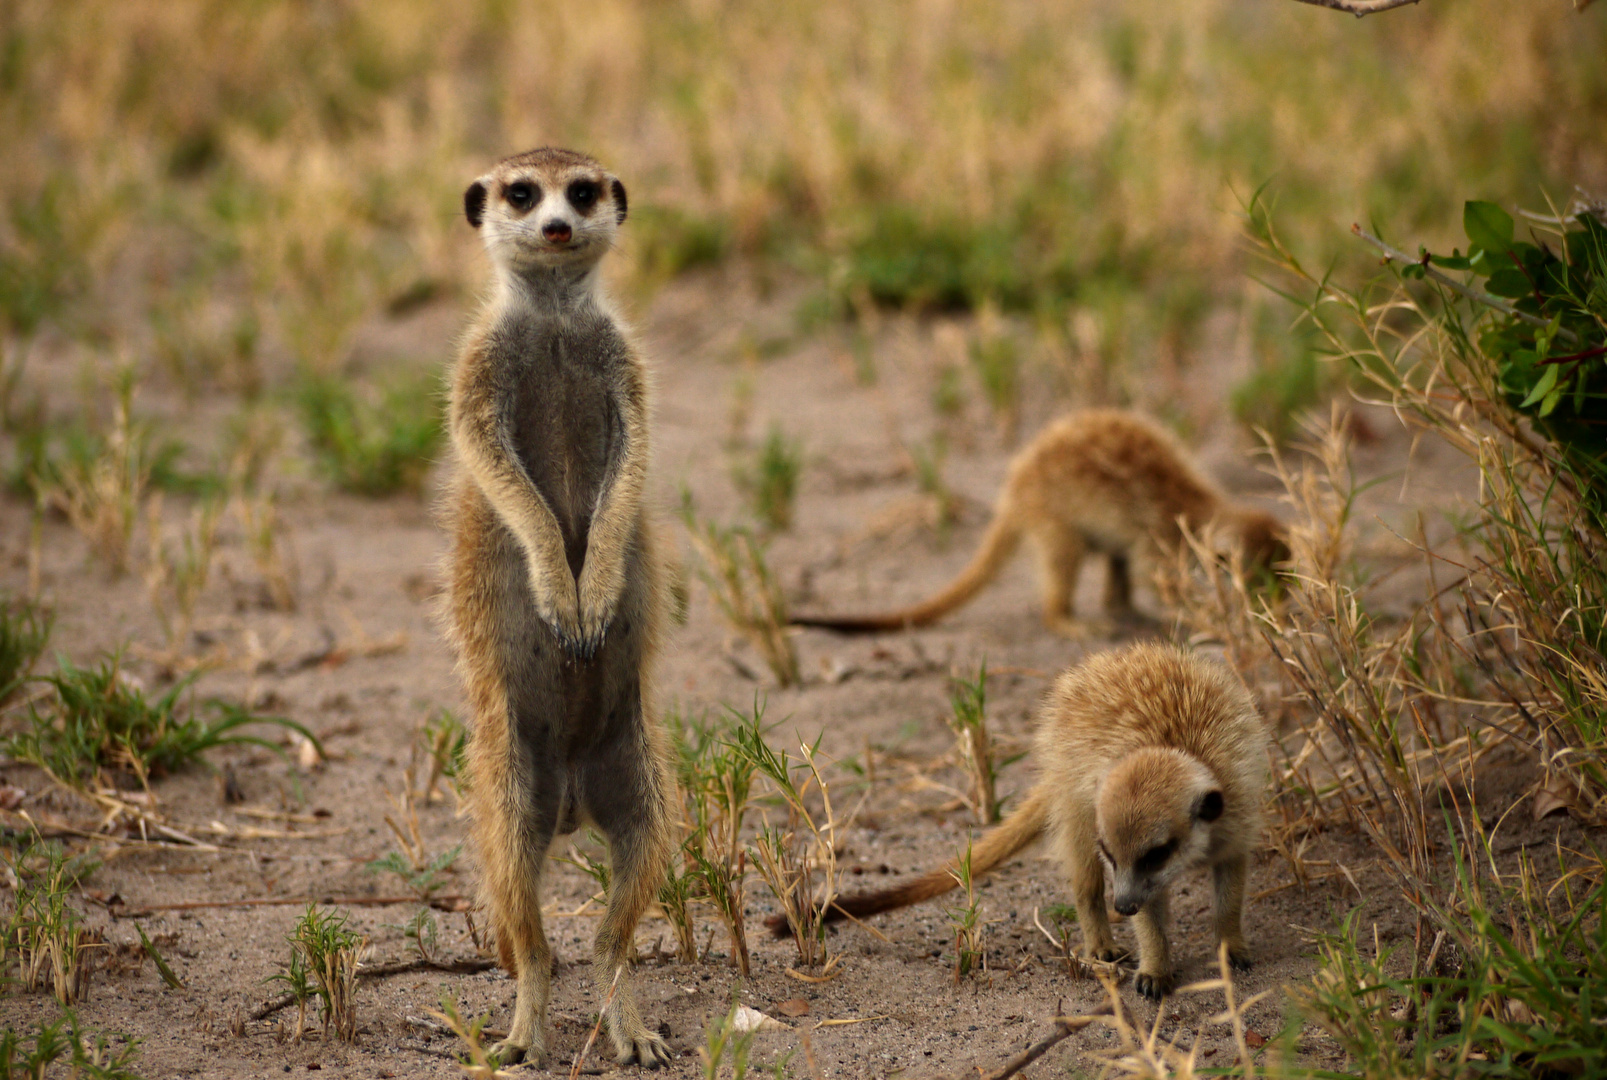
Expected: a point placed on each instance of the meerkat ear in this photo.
(1210, 807)
(474, 203)
(619, 202)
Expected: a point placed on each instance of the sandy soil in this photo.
(367, 575)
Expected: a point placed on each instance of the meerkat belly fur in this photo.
(1101, 481)
(553, 598)
(1151, 761)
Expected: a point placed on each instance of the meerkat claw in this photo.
(1240, 961)
(1153, 986)
(508, 1052)
(647, 1050)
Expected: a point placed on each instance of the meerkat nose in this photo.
(1127, 905)
(557, 231)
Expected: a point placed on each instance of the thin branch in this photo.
(1359, 8)
(379, 971)
(1477, 295)
(1065, 1027)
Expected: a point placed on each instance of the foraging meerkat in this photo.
(1103, 481)
(553, 595)
(1151, 760)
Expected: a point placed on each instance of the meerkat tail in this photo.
(1000, 542)
(996, 845)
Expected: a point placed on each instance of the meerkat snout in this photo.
(1155, 814)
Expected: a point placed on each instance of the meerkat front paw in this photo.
(508, 1052)
(599, 596)
(1239, 958)
(1154, 984)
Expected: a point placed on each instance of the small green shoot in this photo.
(747, 594)
(969, 722)
(62, 1040)
(324, 954)
(722, 1039)
(24, 632)
(771, 482)
(159, 960)
(46, 939)
(482, 1064)
(997, 360)
(966, 920)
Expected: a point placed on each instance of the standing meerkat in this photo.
(1100, 480)
(1151, 760)
(553, 595)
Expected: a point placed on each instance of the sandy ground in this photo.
(367, 576)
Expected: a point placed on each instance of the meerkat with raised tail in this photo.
(1101, 481)
(1151, 760)
(553, 599)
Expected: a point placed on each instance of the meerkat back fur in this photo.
(1151, 760)
(554, 600)
(1101, 481)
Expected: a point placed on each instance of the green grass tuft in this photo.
(99, 723)
(372, 448)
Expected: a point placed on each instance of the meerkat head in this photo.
(1265, 539)
(546, 209)
(1155, 811)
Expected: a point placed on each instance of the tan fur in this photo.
(1137, 749)
(554, 602)
(1102, 481)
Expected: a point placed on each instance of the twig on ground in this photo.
(1065, 1027)
(380, 971)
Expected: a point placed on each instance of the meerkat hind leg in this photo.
(513, 882)
(1060, 555)
(635, 822)
(1118, 586)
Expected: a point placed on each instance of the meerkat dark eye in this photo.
(583, 194)
(1155, 858)
(520, 195)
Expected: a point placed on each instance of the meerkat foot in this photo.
(1108, 954)
(1153, 985)
(644, 1048)
(1239, 958)
(1081, 629)
(508, 1052)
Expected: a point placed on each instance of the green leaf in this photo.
(1509, 281)
(1551, 400)
(1488, 226)
(1548, 379)
(1451, 262)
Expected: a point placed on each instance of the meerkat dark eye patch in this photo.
(474, 203)
(521, 194)
(583, 195)
(1155, 858)
(1210, 806)
(619, 202)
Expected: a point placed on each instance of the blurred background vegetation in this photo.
(223, 192)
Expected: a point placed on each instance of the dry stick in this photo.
(1359, 8)
(379, 971)
(297, 901)
(1065, 1027)
(1477, 295)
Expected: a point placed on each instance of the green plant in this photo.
(32, 1058)
(997, 360)
(421, 876)
(771, 482)
(969, 722)
(482, 1064)
(1289, 378)
(443, 739)
(181, 570)
(797, 858)
(103, 486)
(747, 594)
(99, 721)
(24, 632)
(599, 870)
(966, 921)
(929, 458)
(46, 938)
(324, 954)
(716, 776)
(372, 448)
(723, 1038)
